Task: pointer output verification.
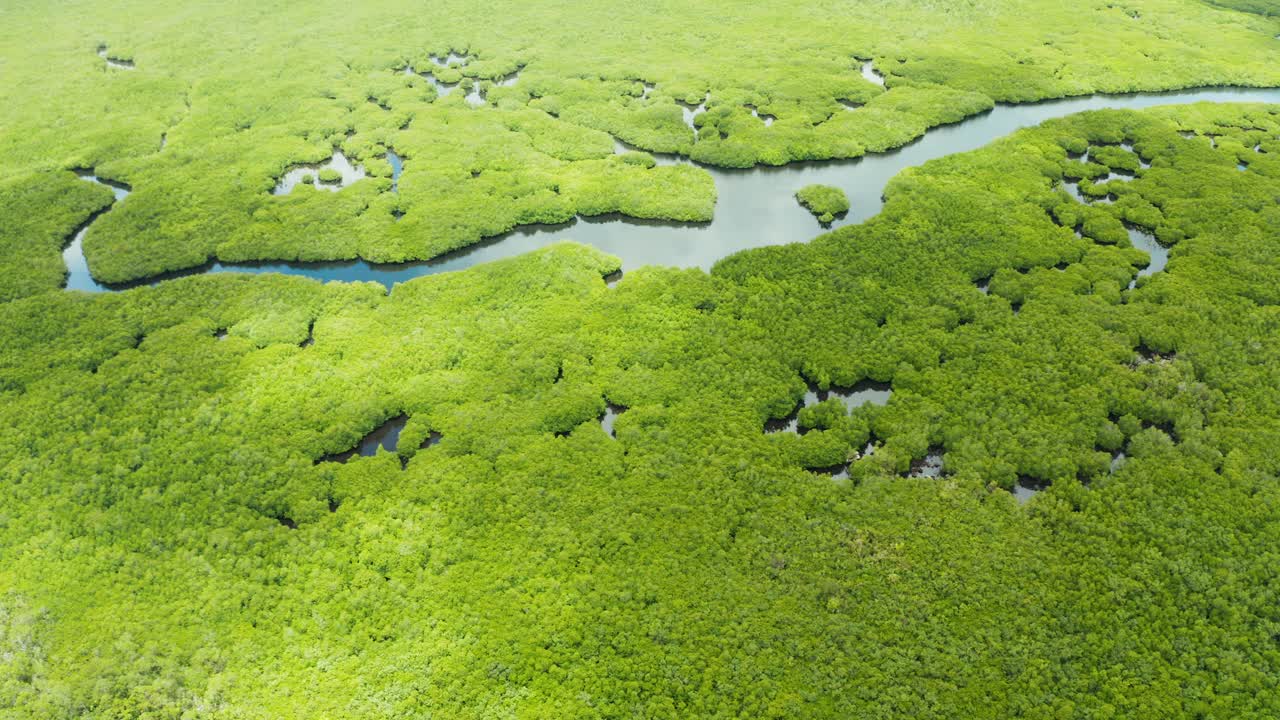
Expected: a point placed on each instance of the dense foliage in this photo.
(221, 99)
(174, 543)
(824, 201)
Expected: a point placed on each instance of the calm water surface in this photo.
(756, 207)
(310, 174)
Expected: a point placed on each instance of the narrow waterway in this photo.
(114, 62)
(78, 277)
(756, 207)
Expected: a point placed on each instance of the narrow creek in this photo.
(864, 392)
(756, 207)
(78, 276)
(112, 61)
(397, 167)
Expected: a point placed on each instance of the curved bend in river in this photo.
(755, 207)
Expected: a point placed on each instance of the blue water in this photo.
(756, 207)
(397, 167)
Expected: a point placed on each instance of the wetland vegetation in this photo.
(216, 110)
(824, 201)
(1004, 443)
(167, 475)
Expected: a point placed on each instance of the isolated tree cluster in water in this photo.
(824, 201)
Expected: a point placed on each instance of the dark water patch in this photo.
(1147, 356)
(984, 284)
(397, 167)
(311, 175)
(1028, 487)
(848, 105)
(478, 96)
(612, 279)
(442, 88)
(114, 62)
(118, 189)
(1242, 166)
(870, 74)
(621, 147)
(286, 521)
(385, 436)
(452, 58)
(311, 336)
(690, 112)
(611, 413)
(756, 206)
(929, 466)
(387, 274)
(614, 218)
(1118, 459)
(855, 396)
(334, 504)
(837, 472)
(1073, 189)
(790, 423)
(433, 439)
(1147, 242)
(78, 276)
(1142, 162)
(220, 334)
(1165, 427)
(766, 119)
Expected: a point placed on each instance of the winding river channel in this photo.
(756, 207)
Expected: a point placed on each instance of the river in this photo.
(755, 207)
